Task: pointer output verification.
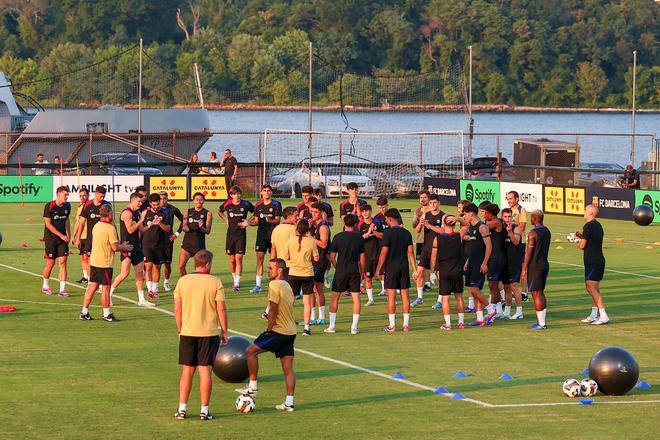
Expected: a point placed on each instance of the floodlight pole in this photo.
(470, 120)
(634, 83)
(309, 115)
(139, 134)
(199, 86)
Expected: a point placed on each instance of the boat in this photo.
(78, 136)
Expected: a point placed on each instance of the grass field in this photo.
(63, 378)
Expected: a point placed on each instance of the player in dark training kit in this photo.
(235, 213)
(196, 225)
(172, 213)
(477, 248)
(321, 232)
(57, 231)
(83, 196)
(591, 242)
(267, 214)
(497, 262)
(448, 260)
(347, 257)
(535, 268)
(130, 221)
(372, 233)
(352, 204)
(396, 254)
(91, 214)
(430, 224)
(155, 230)
(514, 249)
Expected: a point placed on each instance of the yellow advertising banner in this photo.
(554, 199)
(575, 201)
(175, 186)
(212, 187)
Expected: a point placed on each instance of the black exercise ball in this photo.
(643, 215)
(231, 362)
(0, 237)
(615, 370)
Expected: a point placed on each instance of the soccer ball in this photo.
(245, 404)
(588, 387)
(571, 388)
(572, 238)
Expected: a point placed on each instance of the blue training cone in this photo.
(399, 376)
(585, 372)
(506, 376)
(460, 375)
(586, 401)
(458, 396)
(441, 390)
(642, 384)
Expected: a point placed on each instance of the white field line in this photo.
(641, 275)
(367, 370)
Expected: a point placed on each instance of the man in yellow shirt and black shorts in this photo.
(199, 309)
(279, 336)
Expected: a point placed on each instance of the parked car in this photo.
(399, 181)
(484, 168)
(327, 177)
(607, 179)
(122, 164)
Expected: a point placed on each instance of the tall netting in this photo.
(391, 164)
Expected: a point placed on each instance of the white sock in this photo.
(257, 280)
(480, 315)
(106, 311)
(471, 302)
(204, 409)
(312, 317)
(382, 285)
(141, 295)
(461, 318)
(518, 310)
(603, 314)
(498, 307)
(183, 407)
(149, 286)
(420, 292)
(85, 274)
(490, 308)
(333, 319)
(306, 326)
(112, 290)
(85, 310)
(433, 278)
(266, 310)
(594, 312)
(507, 310)
(540, 316)
(502, 293)
(45, 285)
(370, 294)
(356, 319)
(62, 286)
(233, 277)
(288, 401)
(237, 280)
(392, 319)
(154, 285)
(253, 385)
(322, 312)
(448, 320)
(406, 319)
(440, 299)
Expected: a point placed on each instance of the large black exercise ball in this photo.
(643, 215)
(231, 362)
(615, 370)
(0, 237)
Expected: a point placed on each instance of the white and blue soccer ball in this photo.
(572, 238)
(245, 404)
(571, 388)
(588, 387)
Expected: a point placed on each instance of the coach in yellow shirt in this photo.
(104, 245)
(199, 309)
(282, 232)
(279, 336)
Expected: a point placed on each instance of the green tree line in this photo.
(568, 53)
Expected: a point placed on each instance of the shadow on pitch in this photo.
(319, 374)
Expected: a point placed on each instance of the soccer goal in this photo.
(388, 164)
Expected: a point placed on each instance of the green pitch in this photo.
(64, 378)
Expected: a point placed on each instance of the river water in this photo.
(593, 148)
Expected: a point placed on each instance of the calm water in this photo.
(593, 148)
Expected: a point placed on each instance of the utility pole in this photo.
(634, 83)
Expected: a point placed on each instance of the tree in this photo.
(591, 81)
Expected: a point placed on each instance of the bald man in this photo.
(591, 242)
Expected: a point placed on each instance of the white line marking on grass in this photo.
(641, 275)
(368, 370)
(22, 301)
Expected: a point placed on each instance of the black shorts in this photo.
(263, 243)
(198, 350)
(370, 268)
(450, 283)
(301, 284)
(397, 279)
(135, 255)
(155, 255)
(513, 271)
(536, 280)
(87, 249)
(418, 250)
(168, 251)
(235, 243)
(346, 282)
(474, 277)
(101, 275)
(281, 345)
(425, 259)
(320, 268)
(594, 272)
(496, 270)
(56, 248)
(81, 246)
(190, 250)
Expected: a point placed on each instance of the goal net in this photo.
(387, 164)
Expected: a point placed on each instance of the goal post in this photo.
(380, 163)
